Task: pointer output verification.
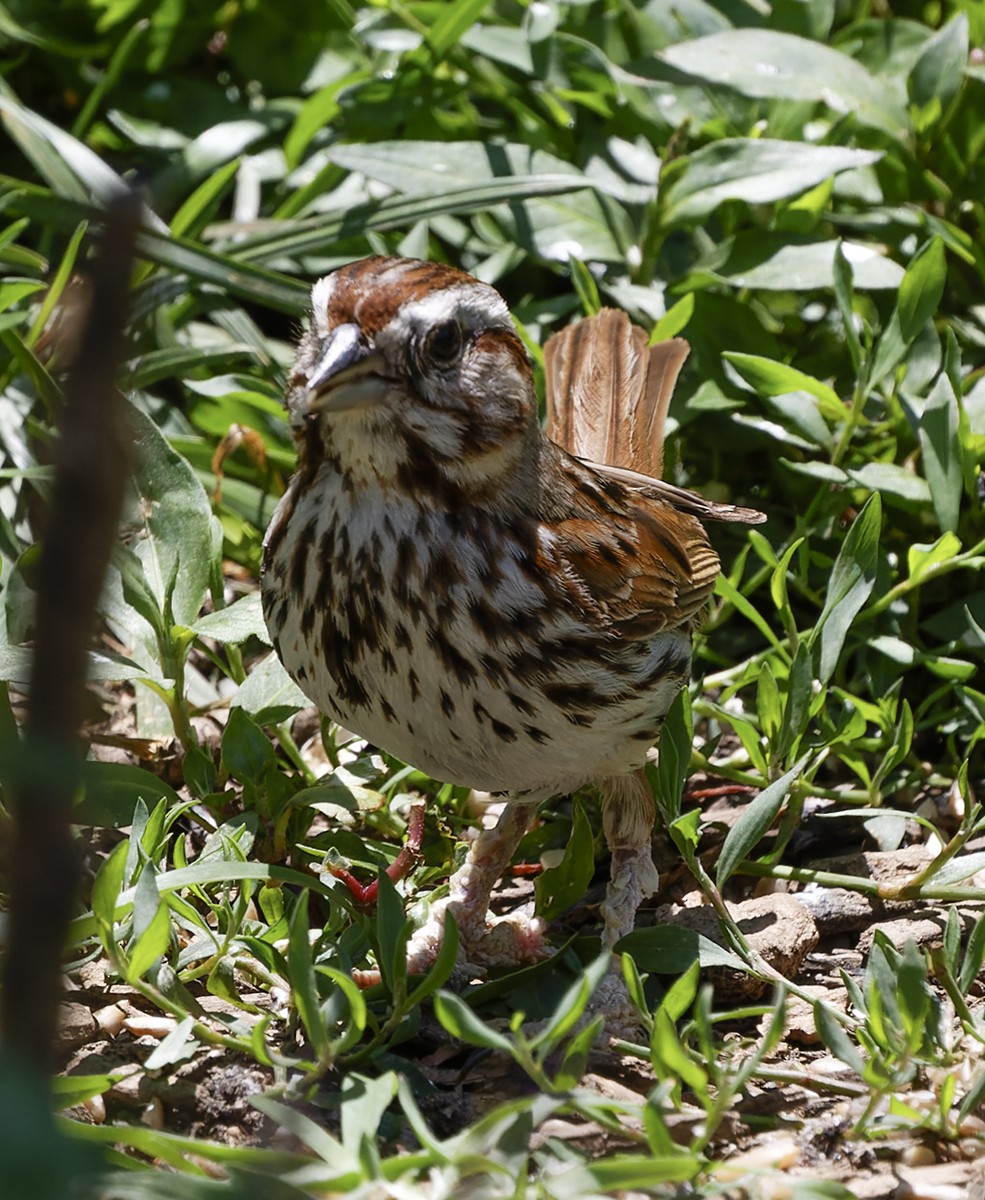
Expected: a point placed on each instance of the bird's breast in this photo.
(448, 639)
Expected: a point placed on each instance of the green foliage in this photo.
(799, 192)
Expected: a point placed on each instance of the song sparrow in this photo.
(447, 581)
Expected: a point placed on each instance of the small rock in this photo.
(943, 1181)
(776, 926)
(777, 1153)
(76, 1026)
(922, 928)
(149, 1025)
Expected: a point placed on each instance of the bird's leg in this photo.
(628, 813)
(483, 941)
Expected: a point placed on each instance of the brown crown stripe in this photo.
(356, 298)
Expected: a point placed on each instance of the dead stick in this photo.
(80, 529)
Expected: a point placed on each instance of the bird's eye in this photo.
(443, 344)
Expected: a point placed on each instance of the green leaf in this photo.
(852, 579)
(674, 757)
(461, 1022)
(363, 1103)
(358, 1013)
(784, 263)
(674, 321)
(769, 708)
(940, 425)
(754, 170)
(236, 623)
(269, 692)
(670, 1059)
(443, 966)
(392, 931)
(757, 818)
(113, 789)
(571, 1007)
(797, 709)
(725, 588)
(778, 579)
(304, 989)
(627, 1173)
(151, 924)
(766, 63)
(776, 379)
(671, 949)
(912, 991)
(974, 956)
(585, 285)
(246, 752)
(844, 289)
(107, 886)
(922, 287)
(558, 888)
(939, 71)
(680, 995)
(453, 21)
(833, 1035)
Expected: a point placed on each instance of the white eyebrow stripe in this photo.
(321, 295)
(476, 306)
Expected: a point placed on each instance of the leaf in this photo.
(940, 424)
(443, 965)
(461, 1022)
(674, 321)
(674, 757)
(784, 263)
(111, 790)
(844, 288)
(755, 170)
(767, 63)
(558, 888)
(236, 623)
(152, 927)
(922, 287)
(777, 379)
(270, 693)
(246, 752)
(852, 579)
(175, 545)
(974, 956)
(570, 1009)
(392, 931)
(452, 23)
(892, 481)
(680, 995)
(363, 1103)
(939, 71)
(833, 1035)
(480, 174)
(671, 949)
(630, 1173)
(304, 988)
(758, 816)
(434, 168)
(107, 887)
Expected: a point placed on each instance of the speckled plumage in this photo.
(449, 583)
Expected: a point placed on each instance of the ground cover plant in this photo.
(796, 188)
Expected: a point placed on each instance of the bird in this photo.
(504, 605)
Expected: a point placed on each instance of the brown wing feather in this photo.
(635, 541)
(608, 393)
(647, 567)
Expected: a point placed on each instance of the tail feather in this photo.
(608, 392)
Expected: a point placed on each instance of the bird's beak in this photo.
(347, 375)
